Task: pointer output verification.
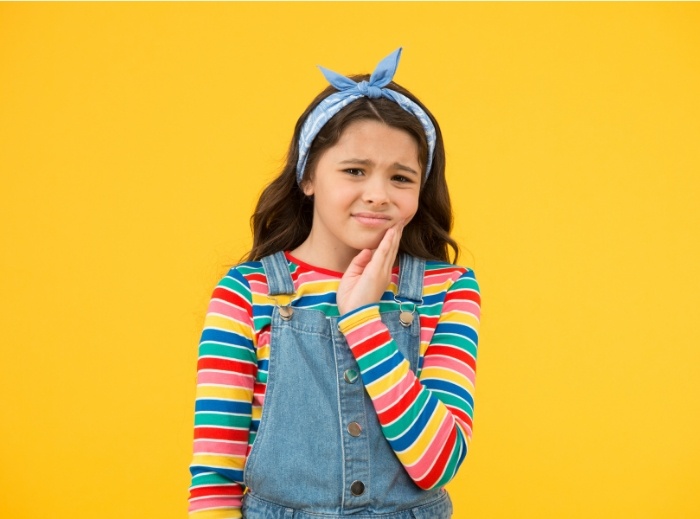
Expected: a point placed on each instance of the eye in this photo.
(402, 179)
(355, 172)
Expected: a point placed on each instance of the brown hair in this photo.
(283, 216)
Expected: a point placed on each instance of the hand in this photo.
(369, 273)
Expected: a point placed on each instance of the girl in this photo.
(336, 366)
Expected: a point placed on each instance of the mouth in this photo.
(371, 219)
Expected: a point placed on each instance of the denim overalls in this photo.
(320, 452)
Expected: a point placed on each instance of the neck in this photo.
(336, 259)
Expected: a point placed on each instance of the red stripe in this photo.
(234, 298)
(371, 344)
(427, 321)
(461, 415)
(436, 472)
(245, 368)
(445, 270)
(217, 490)
(452, 352)
(464, 294)
(400, 406)
(258, 277)
(219, 433)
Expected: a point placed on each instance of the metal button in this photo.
(406, 318)
(357, 488)
(354, 429)
(350, 376)
(286, 312)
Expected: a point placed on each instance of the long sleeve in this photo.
(427, 419)
(226, 371)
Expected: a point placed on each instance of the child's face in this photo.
(366, 183)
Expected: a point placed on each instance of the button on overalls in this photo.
(320, 452)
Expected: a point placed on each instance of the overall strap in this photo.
(411, 271)
(279, 279)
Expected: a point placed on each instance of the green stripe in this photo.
(259, 322)
(450, 399)
(402, 424)
(431, 310)
(465, 283)
(250, 268)
(451, 466)
(223, 420)
(458, 342)
(222, 350)
(210, 479)
(376, 356)
(235, 286)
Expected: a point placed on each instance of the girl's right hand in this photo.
(369, 273)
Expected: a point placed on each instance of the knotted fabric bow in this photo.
(349, 91)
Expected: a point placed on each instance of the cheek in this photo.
(411, 205)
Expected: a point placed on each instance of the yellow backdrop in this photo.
(134, 140)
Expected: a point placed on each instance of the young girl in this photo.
(336, 367)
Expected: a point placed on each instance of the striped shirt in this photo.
(426, 416)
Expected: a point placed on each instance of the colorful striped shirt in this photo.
(426, 416)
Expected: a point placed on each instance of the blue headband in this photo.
(349, 91)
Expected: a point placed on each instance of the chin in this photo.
(366, 244)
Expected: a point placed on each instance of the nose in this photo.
(376, 192)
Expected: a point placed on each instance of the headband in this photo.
(349, 91)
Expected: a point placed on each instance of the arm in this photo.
(226, 370)
(427, 420)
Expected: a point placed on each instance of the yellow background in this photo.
(135, 139)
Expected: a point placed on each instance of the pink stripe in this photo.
(229, 310)
(426, 334)
(445, 361)
(214, 502)
(390, 397)
(465, 426)
(460, 305)
(222, 447)
(360, 334)
(419, 470)
(311, 276)
(218, 306)
(442, 361)
(440, 278)
(258, 287)
(226, 378)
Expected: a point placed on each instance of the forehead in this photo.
(375, 140)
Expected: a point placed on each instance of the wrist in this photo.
(357, 317)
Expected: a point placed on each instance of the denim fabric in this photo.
(308, 451)
(256, 508)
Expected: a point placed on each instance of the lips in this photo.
(371, 219)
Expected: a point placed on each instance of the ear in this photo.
(308, 187)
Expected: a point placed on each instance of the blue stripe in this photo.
(231, 475)
(316, 299)
(382, 368)
(230, 338)
(457, 329)
(434, 299)
(260, 311)
(407, 439)
(449, 387)
(222, 406)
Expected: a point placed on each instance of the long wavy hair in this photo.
(284, 214)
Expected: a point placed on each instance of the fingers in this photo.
(359, 262)
(369, 272)
(393, 239)
(385, 254)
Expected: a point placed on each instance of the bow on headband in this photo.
(349, 91)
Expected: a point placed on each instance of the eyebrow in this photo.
(367, 162)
